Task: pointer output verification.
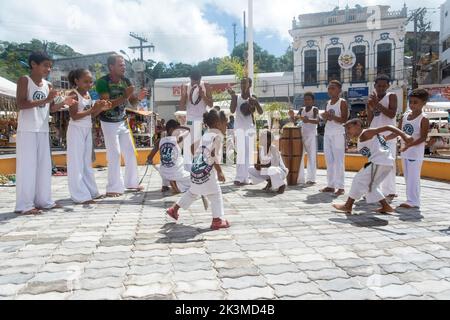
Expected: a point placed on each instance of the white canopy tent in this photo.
(7, 88)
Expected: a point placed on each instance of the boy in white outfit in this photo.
(172, 164)
(310, 118)
(335, 116)
(270, 166)
(367, 182)
(382, 111)
(35, 99)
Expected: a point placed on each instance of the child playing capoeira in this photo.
(415, 124)
(270, 166)
(335, 116)
(172, 163)
(206, 172)
(310, 117)
(381, 111)
(367, 182)
(82, 186)
(35, 99)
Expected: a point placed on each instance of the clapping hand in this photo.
(409, 140)
(69, 101)
(231, 92)
(143, 94)
(52, 95)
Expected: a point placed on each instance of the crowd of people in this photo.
(191, 155)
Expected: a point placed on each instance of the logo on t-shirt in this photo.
(39, 95)
(365, 152)
(332, 112)
(201, 169)
(169, 155)
(408, 129)
(383, 142)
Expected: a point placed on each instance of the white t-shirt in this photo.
(380, 119)
(35, 119)
(309, 129)
(203, 174)
(241, 121)
(332, 127)
(172, 163)
(83, 105)
(413, 128)
(195, 111)
(377, 150)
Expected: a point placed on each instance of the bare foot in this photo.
(89, 202)
(327, 190)
(113, 195)
(102, 196)
(406, 206)
(339, 193)
(385, 210)
(343, 208)
(282, 189)
(268, 187)
(310, 183)
(32, 212)
(56, 206)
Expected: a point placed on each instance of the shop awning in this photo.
(7, 88)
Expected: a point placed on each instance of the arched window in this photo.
(310, 75)
(334, 70)
(384, 59)
(359, 70)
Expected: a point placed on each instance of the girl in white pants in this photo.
(271, 167)
(206, 172)
(82, 186)
(334, 141)
(367, 182)
(35, 99)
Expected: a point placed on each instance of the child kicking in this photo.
(172, 161)
(367, 182)
(270, 166)
(206, 172)
(35, 99)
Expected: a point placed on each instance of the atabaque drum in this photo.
(291, 148)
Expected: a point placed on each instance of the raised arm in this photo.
(184, 97)
(234, 99)
(396, 132)
(254, 100)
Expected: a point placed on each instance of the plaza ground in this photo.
(293, 246)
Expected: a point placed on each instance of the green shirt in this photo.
(115, 90)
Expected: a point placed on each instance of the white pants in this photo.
(33, 172)
(196, 130)
(334, 148)
(118, 141)
(215, 199)
(310, 148)
(389, 186)
(412, 170)
(183, 184)
(276, 175)
(82, 185)
(367, 182)
(245, 146)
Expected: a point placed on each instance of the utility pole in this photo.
(418, 16)
(245, 30)
(234, 35)
(141, 47)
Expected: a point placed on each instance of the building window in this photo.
(384, 59)
(334, 70)
(65, 84)
(359, 70)
(310, 76)
(446, 44)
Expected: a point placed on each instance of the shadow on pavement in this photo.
(178, 233)
(320, 198)
(366, 221)
(410, 215)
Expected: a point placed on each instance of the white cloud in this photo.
(177, 28)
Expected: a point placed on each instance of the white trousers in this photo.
(389, 186)
(310, 148)
(215, 199)
(367, 182)
(334, 148)
(276, 175)
(118, 141)
(82, 185)
(245, 146)
(196, 130)
(33, 172)
(183, 184)
(412, 170)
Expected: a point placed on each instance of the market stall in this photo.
(8, 115)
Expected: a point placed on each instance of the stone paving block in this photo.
(143, 280)
(19, 278)
(36, 288)
(194, 275)
(237, 273)
(286, 278)
(339, 284)
(430, 286)
(142, 292)
(396, 291)
(244, 282)
(296, 289)
(202, 296)
(307, 258)
(52, 296)
(197, 286)
(104, 273)
(98, 294)
(100, 283)
(277, 270)
(10, 289)
(250, 294)
(326, 274)
(353, 294)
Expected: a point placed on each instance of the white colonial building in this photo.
(371, 38)
(445, 42)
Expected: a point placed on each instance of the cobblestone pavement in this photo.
(292, 246)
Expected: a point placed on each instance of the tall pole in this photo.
(416, 49)
(245, 29)
(251, 71)
(234, 35)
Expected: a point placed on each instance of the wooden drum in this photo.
(291, 147)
